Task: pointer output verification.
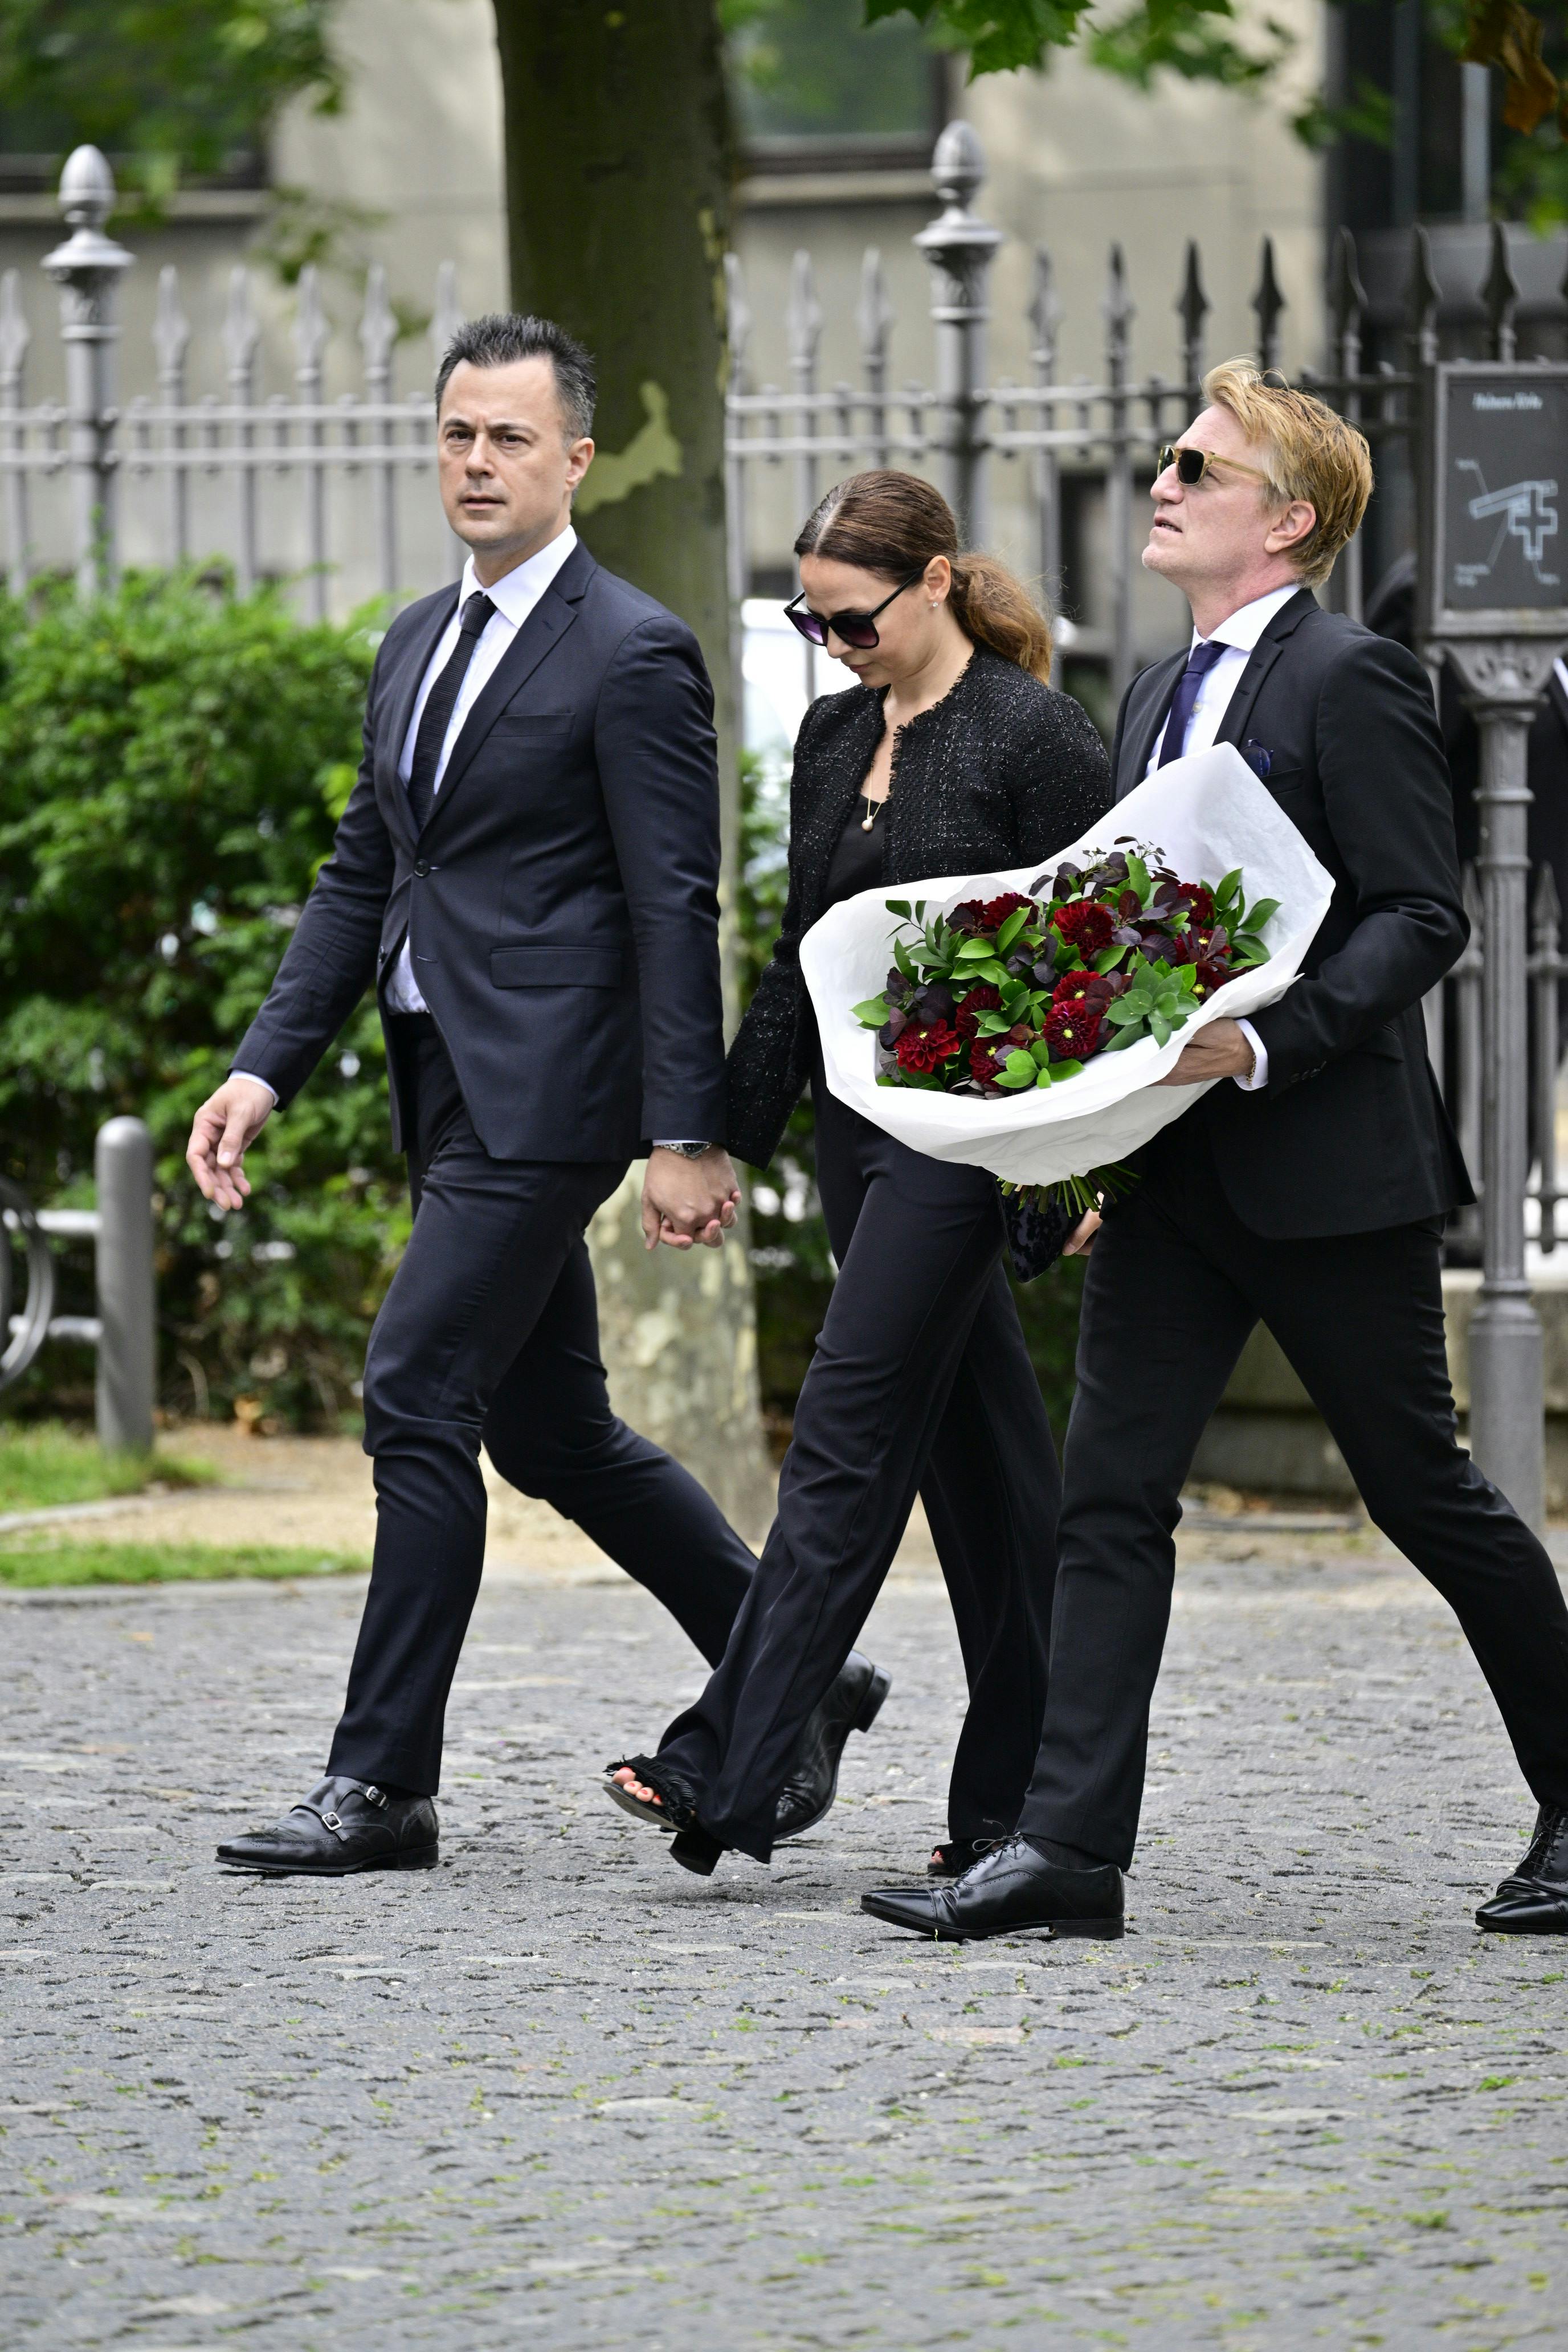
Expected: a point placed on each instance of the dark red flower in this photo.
(1085, 925)
(983, 1064)
(1072, 1031)
(923, 1049)
(983, 998)
(1090, 991)
(996, 911)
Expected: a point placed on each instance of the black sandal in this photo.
(678, 1809)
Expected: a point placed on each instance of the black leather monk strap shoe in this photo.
(341, 1826)
(852, 1704)
(1534, 1900)
(1005, 1894)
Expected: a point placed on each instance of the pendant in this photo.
(866, 823)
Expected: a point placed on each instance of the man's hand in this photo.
(1220, 1051)
(225, 1123)
(689, 1201)
(1081, 1241)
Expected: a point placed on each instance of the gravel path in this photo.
(558, 2092)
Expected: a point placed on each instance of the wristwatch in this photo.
(685, 1151)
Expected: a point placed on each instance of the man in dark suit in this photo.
(1307, 1189)
(527, 869)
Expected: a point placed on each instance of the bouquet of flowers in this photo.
(1019, 990)
(1028, 1016)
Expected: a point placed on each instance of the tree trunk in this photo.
(618, 174)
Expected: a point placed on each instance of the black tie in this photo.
(439, 705)
(1184, 702)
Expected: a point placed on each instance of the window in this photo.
(813, 84)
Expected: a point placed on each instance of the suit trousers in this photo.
(490, 1332)
(921, 1379)
(1175, 1283)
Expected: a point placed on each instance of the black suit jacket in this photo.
(561, 902)
(1350, 1134)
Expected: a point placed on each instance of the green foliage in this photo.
(40, 1565)
(170, 87)
(172, 762)
(48, 1465)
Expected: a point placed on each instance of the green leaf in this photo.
(900, 907)
(1011, 928)
(1129, 1036)
(1061, 1070)
(1108, 958)
(904, 960)
(1138, 876)
(975, 952)
(873, 1013)
(1257, 915)
(1230, 887)
(992, 1025)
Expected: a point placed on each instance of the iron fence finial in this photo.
(447, 315)
(1268, 305)
(1422, 296)
(1499, 294)
(1192, 307)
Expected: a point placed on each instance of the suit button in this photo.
(422, 867)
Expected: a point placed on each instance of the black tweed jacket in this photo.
(1001, 772)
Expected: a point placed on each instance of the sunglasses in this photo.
(1192, 464)
(857, 629)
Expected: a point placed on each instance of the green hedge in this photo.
(172, 761)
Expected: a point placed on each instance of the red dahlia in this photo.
(1085, 925)
(983, 998)
(983, 1064)
(996, 911)
(1071, 1031)
(1090, 991)
(922, 1049)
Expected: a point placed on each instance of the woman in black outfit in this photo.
(951, 756)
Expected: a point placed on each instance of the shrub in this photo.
(172, 762)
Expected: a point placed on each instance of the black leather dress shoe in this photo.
(343, 1825)
(959, 1854)
(852, 1704)
(1534, 1900)
(1004, 1894)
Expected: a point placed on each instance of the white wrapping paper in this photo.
(1207, 814)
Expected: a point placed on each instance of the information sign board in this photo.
(1497, 501)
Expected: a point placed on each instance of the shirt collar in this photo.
(517, 591)
(1244, 626)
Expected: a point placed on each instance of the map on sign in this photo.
(1523, 511)
(1506, 453)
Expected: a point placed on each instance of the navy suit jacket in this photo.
(1350, 1135)
(562, 903)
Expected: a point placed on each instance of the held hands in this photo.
(225, 1124)
(1219, 1051)
(688, 1200)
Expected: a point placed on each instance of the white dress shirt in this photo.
(1239, 635)
(514, 596)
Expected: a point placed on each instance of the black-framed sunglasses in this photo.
(1192, 464)
(857, 629)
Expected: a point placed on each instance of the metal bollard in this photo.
(126, 1347)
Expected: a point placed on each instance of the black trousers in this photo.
(1175, 1286)
(921, 1379)
(490, 1331)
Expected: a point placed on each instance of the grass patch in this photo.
(44, 1463)
(69, 1563)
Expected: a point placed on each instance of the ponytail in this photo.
(992, 605)
(892, 524)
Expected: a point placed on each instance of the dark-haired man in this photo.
(527, 868)
(1307, 1190)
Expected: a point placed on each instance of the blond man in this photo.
(1307, 1192)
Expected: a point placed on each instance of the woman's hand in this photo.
(1081, 1241)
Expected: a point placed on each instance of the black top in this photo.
(1002, 771)
(856, 861)
(1350, 1134)
(562, 904)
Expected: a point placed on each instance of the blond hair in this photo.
(1310, 451)
(892, 524)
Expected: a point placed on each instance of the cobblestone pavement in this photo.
(558, 2092)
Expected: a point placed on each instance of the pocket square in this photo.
(1259, 758)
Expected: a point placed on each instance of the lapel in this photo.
(1265, 653)
(389, 738)
(539, 635)
(1155, 688)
